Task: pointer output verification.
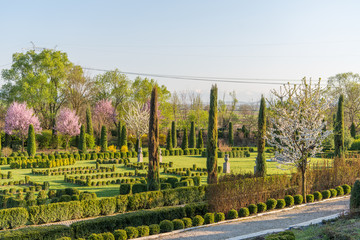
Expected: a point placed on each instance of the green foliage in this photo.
(353, 130)
(178, 224)
(339, 129)
(197, 220)
(298, 199)
(289, 200)
(326, 194)
(13, 217)
(287, 235)
(120, 234)
(143, 231)
(173, 134)
(280, 204)
(232, 214)
(131, 232)
(253, 209)
(271, 204)
(355, 196)
(219, 217)
(209, 218)
(154, 229)
(82, 140)
(187, 222)
(123, 141)
(169, 141)
(212, 141)
(43, 233)
(231, 135)
(339, 190)
(346, 188)
(166, 226)
(200, 141)
(192, 137)
(95, 236)
(103, 140)
(333, 192)
(260, 169)
(261, 207)
(244, 212)
(184, 143)
(318, 196)
(31, 142)
(309, 198)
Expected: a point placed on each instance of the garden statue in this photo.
(226, 164)
(140, 155)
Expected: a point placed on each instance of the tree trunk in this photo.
(303, 176)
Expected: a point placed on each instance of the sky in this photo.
(273, 41)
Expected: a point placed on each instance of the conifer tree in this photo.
(260, 169)
(103, 141)
(231, 135)
(119, 135)
(192, 140)
(339, 129)
(138, 144)
(123, 136)
(169, 141)
(184, 143)
(82, 140)
(90, 139)
(212, 141)
(153, 169)
(31, 144)
(173, 134)
(200, 141)
(353, 130)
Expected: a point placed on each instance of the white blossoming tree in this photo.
(296, 128)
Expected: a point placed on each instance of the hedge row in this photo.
(232, 154)
(144, 165)
(89, 182)
(74, 170)
(41, 163)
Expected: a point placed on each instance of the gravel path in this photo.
(277, 220)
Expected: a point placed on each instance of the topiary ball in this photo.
(131, 232)
(271, 204)
(178, 224)
(244, 212)
(154, 229)
(219, 217)
(280, 203)
(252, 209)
(326, 194)
(232, 214)
(197, 220)
(209, 218)
(166, 226)
(109, 236)
(289, 200)
(340, 190)
(317, 196)
(309, 198)
(355, 196)
(298, 199)
(346, 188)
(187, 222)
(261, 207)
(333, 192)
(120, 234)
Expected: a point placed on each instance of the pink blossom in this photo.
(104, 113)
(18, 118)
(67, 122)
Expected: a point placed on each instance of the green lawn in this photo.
(57, 182)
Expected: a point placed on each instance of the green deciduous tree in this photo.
(260, 169)
(339, 129)
(192, 139)
(212, 141)
(103, 141)
(82, 140)
(31, 143)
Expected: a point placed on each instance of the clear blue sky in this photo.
(245, 39)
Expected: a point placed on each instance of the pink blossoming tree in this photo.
(67, 123)
(104, 114)
(17, 120)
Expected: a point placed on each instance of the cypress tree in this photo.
(339, 129)
(7, 140)
(169, 141)
(119, 135)
(260, 169)
(353, 130)
(200, 141)
(231, 135)
(138, 144)
(31, 144)
(184, 143)
(153, 169)
(173, 134)
(103, 141)
(89, 130)
(82, 140)
(123, 137)
(192, 140)
(211, 146)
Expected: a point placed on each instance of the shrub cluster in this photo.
(73, 170)
(41, 163)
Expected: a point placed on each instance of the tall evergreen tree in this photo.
(339, 129)
(200, 141)
(260, 169)
(119, 135)
(153, 169)
(173, 134)
(103, 141)
(31, 143)
(90, 139)
(123, 136)
(212, 141)
(192, 140)
(184, 143)
(82, 140)
(138, 144)
(7, 140)
(353, 130)
(169, 141)
(231, 135)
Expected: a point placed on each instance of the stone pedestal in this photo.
(226, 164)
(160, 156)
(140, 155)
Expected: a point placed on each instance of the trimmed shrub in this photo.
(355, 196)
(340, 190)
(108, 236)
(125, 188)
(309, 198)
(287, 235)
(244, 212)
(289, 200)
(41, 233)
(253, 209)
(178, 224)
(143, 231)
(333, 192)
(346, 188)
(138, 188)
(154, 229)
(298, 199)
(166, 226)
(271, 204)
(261, 207)
(187, 222)
(326, 194)
(120, 234)
(280, 203)
(232, 214)
(209, 218)
(131, 232)
(13, 217)
(219, 217)
(197, 220)
(95, 236)
(318, 196)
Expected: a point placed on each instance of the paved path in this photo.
(278, 220)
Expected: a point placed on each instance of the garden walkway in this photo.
(280, 220)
